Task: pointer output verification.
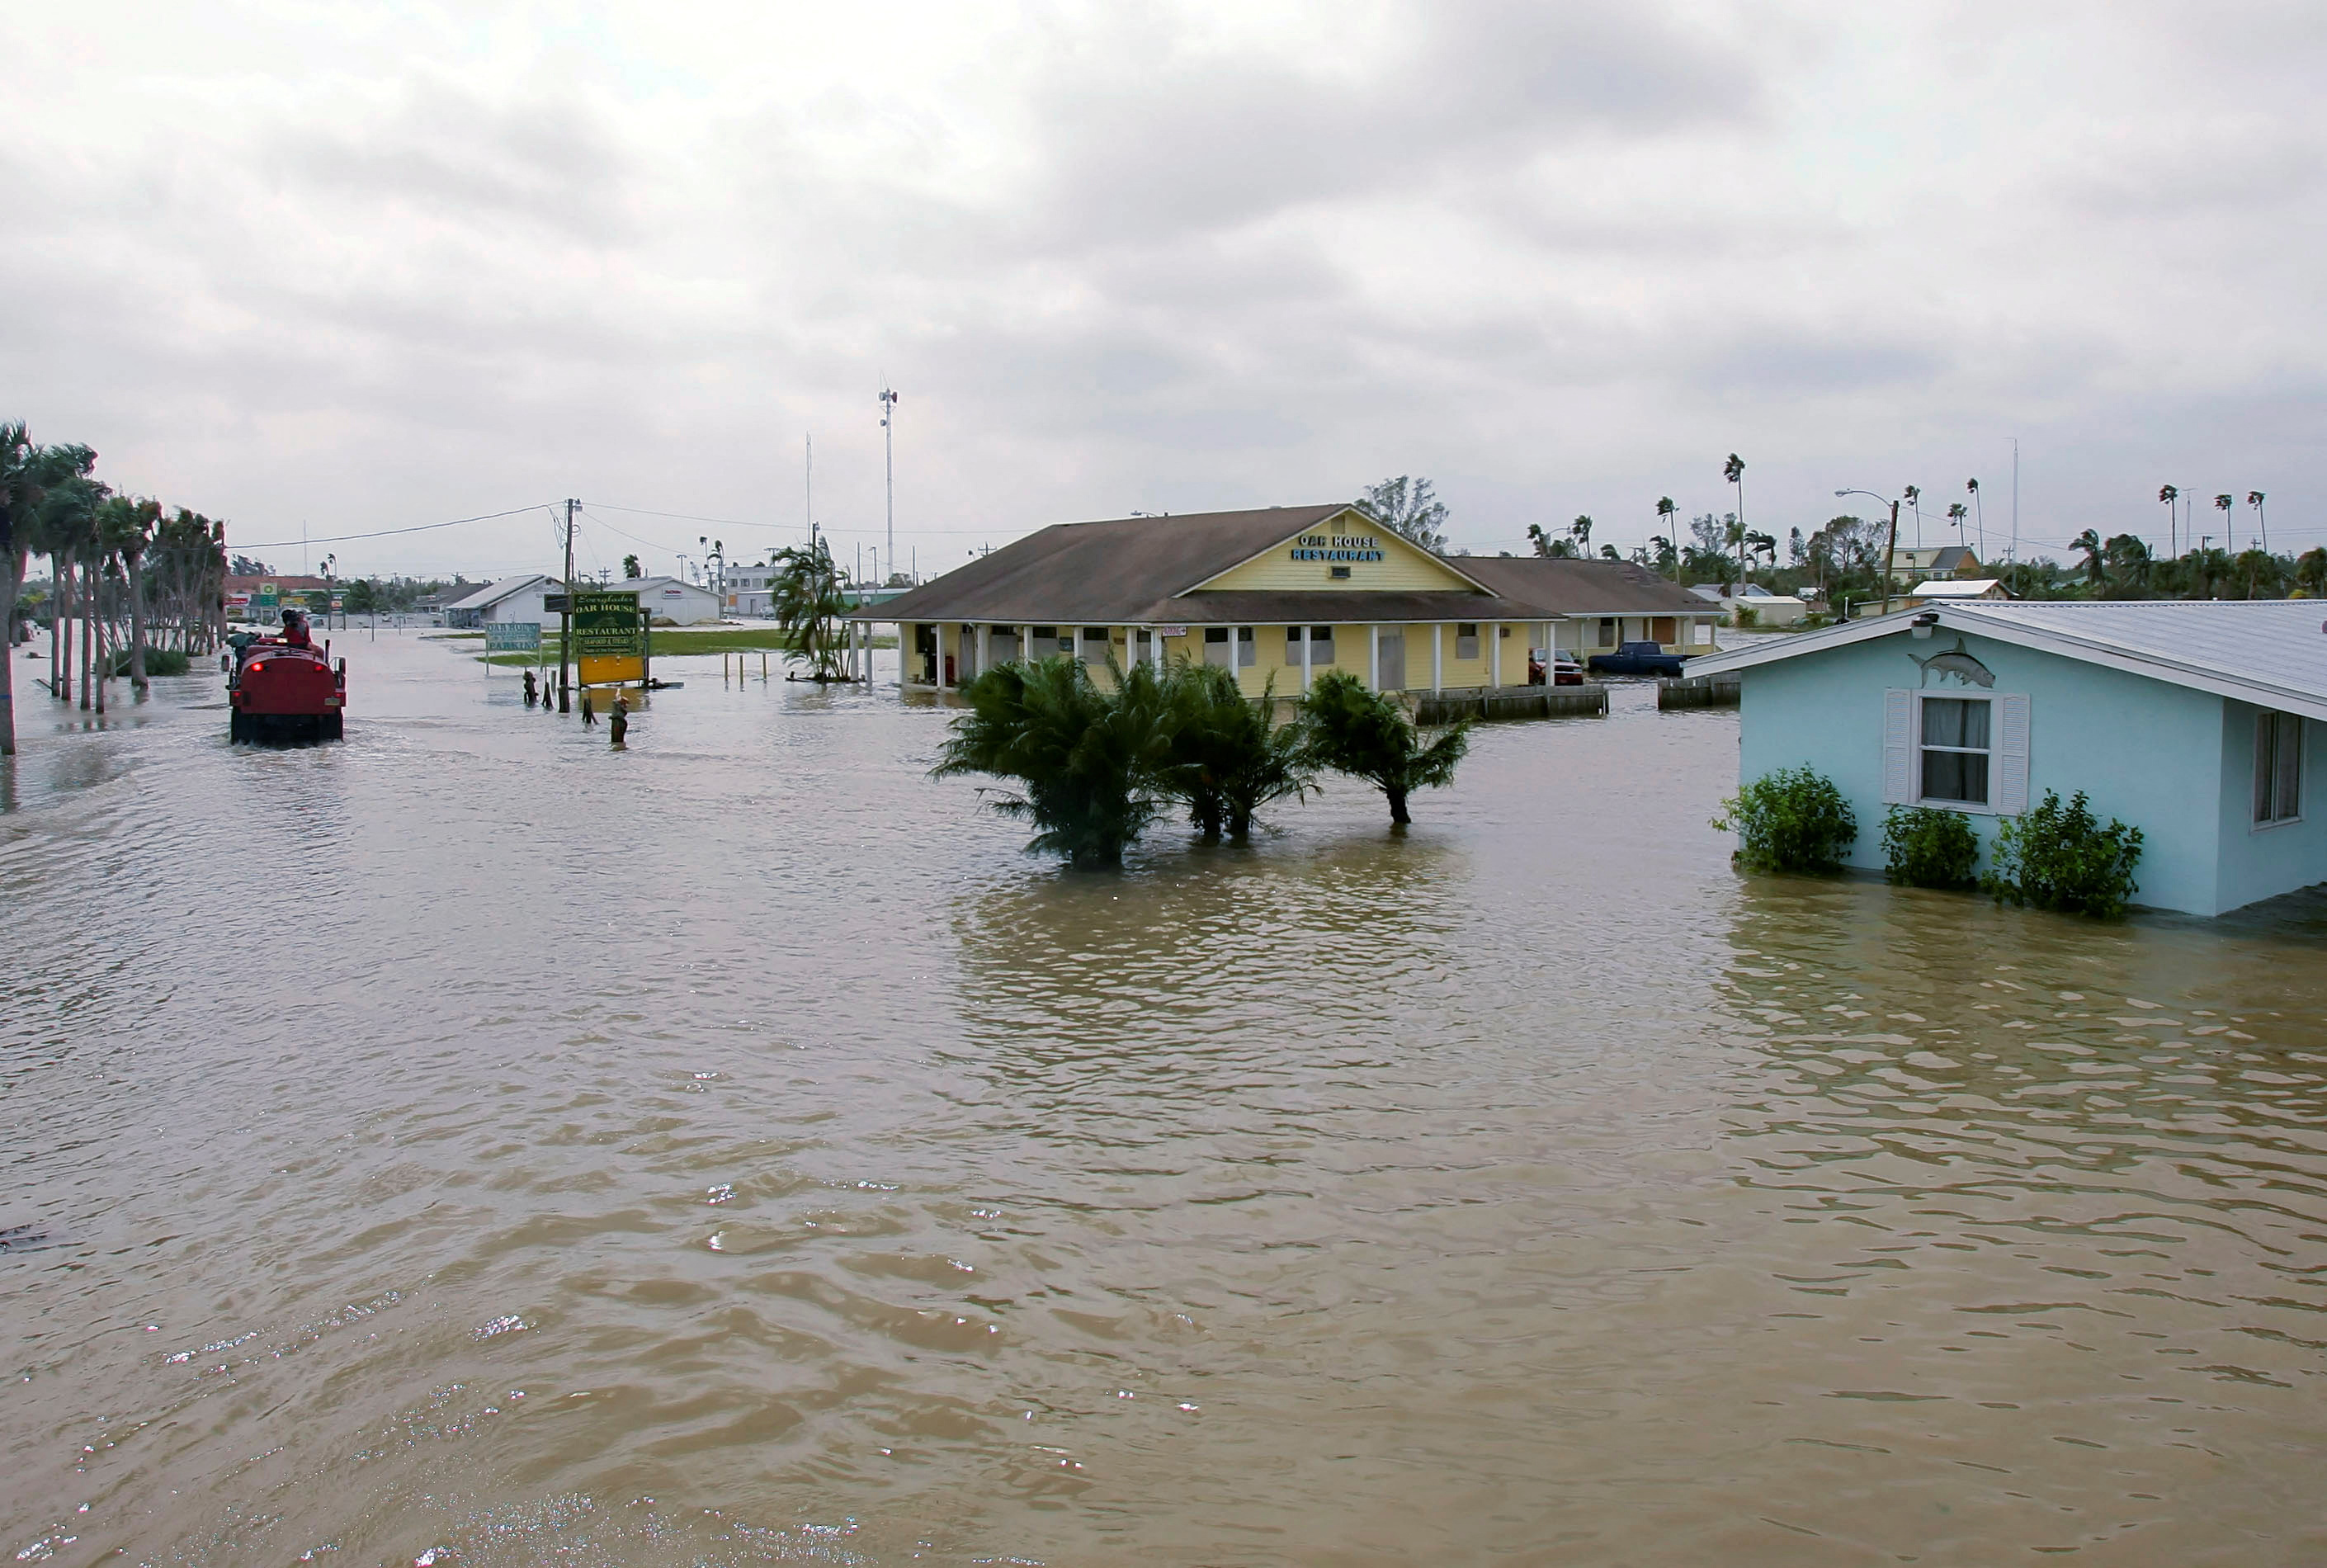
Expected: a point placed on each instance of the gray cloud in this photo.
(1563, 258)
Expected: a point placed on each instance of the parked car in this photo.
(1564, 670)
(1637, 659)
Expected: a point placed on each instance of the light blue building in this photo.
(2203, 724)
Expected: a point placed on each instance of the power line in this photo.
(384, 533)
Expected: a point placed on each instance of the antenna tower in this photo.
(889, 462)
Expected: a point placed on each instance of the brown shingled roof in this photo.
(1575, 587)
(1104, 573)
(1139, 571)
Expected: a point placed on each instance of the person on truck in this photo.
(294, 631)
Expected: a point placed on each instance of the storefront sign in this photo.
(609, 638)
(1171, 632)
(1337, 548)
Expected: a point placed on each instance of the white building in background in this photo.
(668, 601)
(512, 599)
(750, 591)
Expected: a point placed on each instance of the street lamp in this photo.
(1890, 550)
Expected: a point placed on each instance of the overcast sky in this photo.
(358, 267)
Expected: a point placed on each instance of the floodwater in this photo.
(469, 1144)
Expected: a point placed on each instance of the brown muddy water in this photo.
(467, 1144)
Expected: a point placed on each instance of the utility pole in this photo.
(888, 463)
(1890, 555)
(2015, 501)
(566, 618)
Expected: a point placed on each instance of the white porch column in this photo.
(1026, 643)
(1304, 660)
(1494, 630)
(984, 647)
(1373, 659)
(1437, 656)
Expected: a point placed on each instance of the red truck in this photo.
(282, 691)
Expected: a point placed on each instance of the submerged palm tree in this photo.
(809, 605)
(1365, 734)
(1086, 761)
(1223, 756)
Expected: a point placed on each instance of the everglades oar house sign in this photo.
(610, 639)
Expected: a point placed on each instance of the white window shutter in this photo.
(2011, 755)
(1898, 748)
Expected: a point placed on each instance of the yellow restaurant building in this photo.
(1280, 595)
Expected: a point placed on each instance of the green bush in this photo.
(2059, 857)
(1924, 846)
(158, 661)
(1791, 820)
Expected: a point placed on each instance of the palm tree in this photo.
(2128, 562)
(125, 531)
(809, 604)
(2255, 499)
(20, 493)
(1546, 547)
(1661, 546)
(1957, 513)
(2223, 504)
(1087, 761)
(2089, 543)
(1366, 735)
(1733, 471)
(1913, 495)
(2170, 494)
(631, 567)
(1580, 530)
(1979, 515)
(1222, 756)
(62, 474)
(1733, 534)
(1665, 511)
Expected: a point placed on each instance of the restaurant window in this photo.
(2278, 769)
(1247, 650)
(1321, 645)
(1466, 640)
(1217, 647)
(1095, 642)
(1340, 572)
(1607, 632)
(1292, 645)
(1954, 747)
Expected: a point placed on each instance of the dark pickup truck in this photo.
(1636, 659)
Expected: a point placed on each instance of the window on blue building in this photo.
(1956, 750)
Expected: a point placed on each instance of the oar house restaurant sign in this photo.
(1280, 595)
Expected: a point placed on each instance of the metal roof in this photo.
(495, 593)
(2270, 652)
(1952, 588)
